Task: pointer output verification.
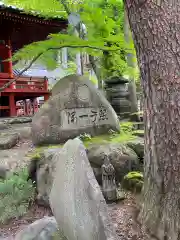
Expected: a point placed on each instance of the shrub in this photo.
(133, 181)
(85, 137)
(16, 193)
(126, 127)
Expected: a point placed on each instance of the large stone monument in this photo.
(76, 199)
(76, 107)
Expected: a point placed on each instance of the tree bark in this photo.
(156, 33)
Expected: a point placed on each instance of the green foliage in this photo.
(134, 175)
(127, 127)
(48, 8)
(133, 181)
(16, 193)
(105, 37)
(56, 42)
(110, 138)
(85, 137)
(72, 68)
(93, 80)
(36, 156)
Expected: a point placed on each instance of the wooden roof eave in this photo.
(19, 16)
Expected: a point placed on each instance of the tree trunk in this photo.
(132, 85)
(156, 33)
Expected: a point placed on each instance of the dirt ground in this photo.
(122, 214)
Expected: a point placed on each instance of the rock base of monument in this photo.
(117, 196)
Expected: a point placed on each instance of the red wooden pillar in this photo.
(25, 107)
(12, 105)
(46, 97)
(10, 66)
(45, 83)
(35, 105)
(28, 107)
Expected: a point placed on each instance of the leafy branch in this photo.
(49, 49)
(104, 24)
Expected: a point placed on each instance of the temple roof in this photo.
(24, 28)
(18, 13)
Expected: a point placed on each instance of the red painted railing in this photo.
(35, 84)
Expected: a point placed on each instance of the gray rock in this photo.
(45, 170)
(76, 107)
(25, 132)
(8, 141)
(3, 126)
(76, 199)
(43, 229)
(123, 158)
(17, 120)
(138, 146)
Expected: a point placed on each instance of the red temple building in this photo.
(19, 29)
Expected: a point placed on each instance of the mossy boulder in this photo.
(123, 158)
(138, 146)
(133, 181)
(41, 170)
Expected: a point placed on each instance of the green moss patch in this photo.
(36, 154)
(134, 175)
(112, 137)
(133, 181)
(108, 138)
(139, 133)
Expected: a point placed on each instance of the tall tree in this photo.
(155, 27)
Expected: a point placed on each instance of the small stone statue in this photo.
(108, 180)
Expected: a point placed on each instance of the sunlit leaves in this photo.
(104, 22)
(58, 41)
(47, 8)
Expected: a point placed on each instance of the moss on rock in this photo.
(133, 181)
(102, 139)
